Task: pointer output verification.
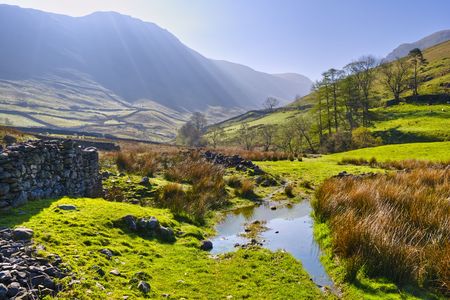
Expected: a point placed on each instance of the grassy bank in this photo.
(180, 270)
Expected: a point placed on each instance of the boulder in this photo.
(145, 181)
(144, 287)
(206, 245)
(22, 233)
(67, 207)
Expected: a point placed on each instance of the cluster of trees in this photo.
(344, 97)
(337, 122)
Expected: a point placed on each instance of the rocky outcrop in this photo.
(24, 275)
(234, 161)
(47, 169)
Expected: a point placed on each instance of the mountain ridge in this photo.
(426, 42)
(155, 64)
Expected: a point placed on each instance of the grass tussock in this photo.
(289, 190)
(145, 164)
(205, 188)
(247, 189)
(395, 225)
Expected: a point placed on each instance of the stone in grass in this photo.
(67, 207)
(206, 245)
(107, 252)
(114, 272)
(166, 234)
(144, 287)
(22, 233)
(145, 180)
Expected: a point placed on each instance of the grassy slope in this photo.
(180, 270)
(315, 170)
(412, 122)
(83, 105)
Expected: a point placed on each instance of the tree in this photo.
(395, 76)
(216, 135)
(417, 60)
(315, 90)
(246, 136)
(325, 87)
(271, 103)
(191, 132)
(335, 76)
(199, 121)
(363, 72)
(303, 126)
(267, 134)
(350, 97)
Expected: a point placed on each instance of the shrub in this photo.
(394, 225)
(362, 138)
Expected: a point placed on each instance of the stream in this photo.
(290, 227)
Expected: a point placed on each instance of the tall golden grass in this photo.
(395, 225)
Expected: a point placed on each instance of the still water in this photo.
(289, 228)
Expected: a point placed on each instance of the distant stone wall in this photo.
(47, 169)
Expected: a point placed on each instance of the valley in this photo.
(134, 167)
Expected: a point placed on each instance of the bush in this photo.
(337, 142)
(394, 225)
(362, 138)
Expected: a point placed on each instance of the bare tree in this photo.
(395, 76)
(364, 74)
(267, 134)
(199, 121)
(216, 135)
(303, 126)
(246, 136)
(271, 103)
(191, 132)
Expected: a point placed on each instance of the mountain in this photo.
(132, 59)
(426, 42)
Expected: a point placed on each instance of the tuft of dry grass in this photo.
(289, 190)
(246, 190)
(395, 225)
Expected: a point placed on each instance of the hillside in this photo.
(110, 73)
(399, 123)
(426, 42)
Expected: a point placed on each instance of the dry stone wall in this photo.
(47, 169)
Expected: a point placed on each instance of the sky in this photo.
(278, 36)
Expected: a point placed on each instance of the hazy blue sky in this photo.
(301, 36)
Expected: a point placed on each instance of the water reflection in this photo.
(290, 228)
